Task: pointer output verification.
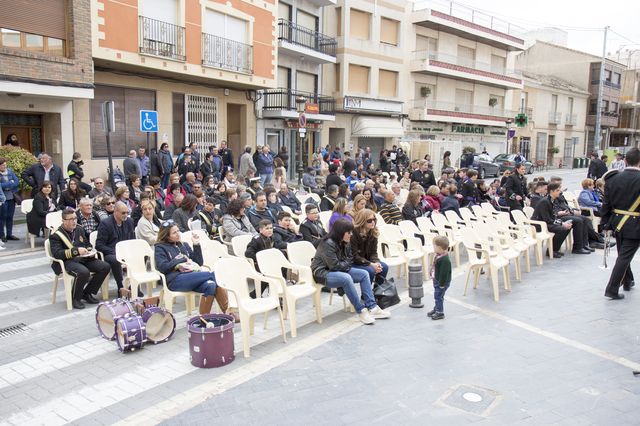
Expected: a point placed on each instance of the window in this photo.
(464, 100)
(360, 24)
(592, 107)
(498, 64)
(554, 103)
(10, 38)
(570, 105)
(284, 78)
(284, 11)
(201, 121)
(337, 82)
(31, 42)
(178, 122)
(607, 75)
(27, 24)
(225, 26)
(161, 10)
(306, 82)
(605, 105)
(306, 20)
(541, 146)
(616, 78)
(499, 101)
(466, 56)
(387, 84)
(358, 79)
(426, 43)
(389, 31)
(127, 135)
(614, 107)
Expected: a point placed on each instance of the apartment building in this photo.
(198, 63)
(45, 71)
(627, 134)
(556, 111)
(294, 114)
(583, 71)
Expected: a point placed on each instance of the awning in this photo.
(377, 127)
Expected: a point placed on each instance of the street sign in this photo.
(302, 120)
(148, 121)
(108, 116)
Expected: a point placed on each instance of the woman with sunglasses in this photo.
(181, 267)
(104, 206)
(364, 243)
(333, 266)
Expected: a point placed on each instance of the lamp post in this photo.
(301, 102)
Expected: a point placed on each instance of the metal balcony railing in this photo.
(555, 117)
(285, 99)
(571, 120)
(465, 62)
(296, 34)
(161, 39)
(607, 83)
(227, 54)
(464, 108)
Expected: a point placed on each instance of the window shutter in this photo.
(45, 17)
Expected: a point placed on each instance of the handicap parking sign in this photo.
(148, 121)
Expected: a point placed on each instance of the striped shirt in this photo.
(390, 213)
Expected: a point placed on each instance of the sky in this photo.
(623, 16)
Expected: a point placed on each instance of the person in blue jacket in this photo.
(588, 197)
(182, 267)
(264, 164)
(9, 182)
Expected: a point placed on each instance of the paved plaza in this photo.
(554, 350)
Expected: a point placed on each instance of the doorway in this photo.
(550, 149)
(236, 125)
(27, 127)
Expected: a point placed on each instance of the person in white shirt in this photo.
(618, 163)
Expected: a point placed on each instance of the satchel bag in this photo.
(385, 292)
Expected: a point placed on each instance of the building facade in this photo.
(627, 134)
(46, 72)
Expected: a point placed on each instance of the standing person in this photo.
(446, 160)
(440, 272)
(12, 140)
(402, 161)
(227, 157)
(10, 185)
(597, 167)
(44, 170)
(333, 266)
(618, 163)
(144, 164)
(620, 216)
(283, 154)
(516, 188)
(246, 163)
(264, 164)
(70, 243)
(74, 170)
(186, 166)
(155, 165)
(364, 244)
(195, 154)
(423, 175)
(280, 172)
(43, 204)
(349, 164)
(166, 160)
(130, 166)
(117, 227)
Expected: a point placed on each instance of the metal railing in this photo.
(607, 83)
(227, 54)
(555, 117)
(422, 55)
(571, 119)
(464, 108)
(279, 99)
(296, 34)
(161, 39)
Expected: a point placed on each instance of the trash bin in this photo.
(576, 163)
(211, 341)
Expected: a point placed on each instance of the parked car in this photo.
(484, 166)
(508, 162)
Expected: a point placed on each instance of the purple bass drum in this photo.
(211, 347)
(108, 313)
(130, 333)
(160, 324)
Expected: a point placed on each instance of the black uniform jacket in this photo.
(621, 190)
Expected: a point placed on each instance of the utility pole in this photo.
(597, 135)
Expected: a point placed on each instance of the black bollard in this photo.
(416, 291)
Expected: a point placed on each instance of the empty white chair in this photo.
(212, 252)
(392, 235)
(540, 236)
(240, 244)
(26, 206)
(439, 224)
(53, 220)
(135, 255)
(324, 219)
(528, 211)
(475, 246)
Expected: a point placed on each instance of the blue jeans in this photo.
(265, 178)
(438, 295)
(372, 272)
(346, 280)
(200, 282)
(7, 210)
(164, 181)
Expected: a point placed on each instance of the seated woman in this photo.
(104, 206)
(359, 204)
(333, 266)
(340, 211)
(185, 212)
(370, 202)
(412, 208)
(149, 224)
(181, 267)
(135, 189)
(589, 198)
(364, 243)
(173, 190)
(122, 194)
(235, 222)
(71, 196)
(230, 194)
(43, 204)
(273, 202)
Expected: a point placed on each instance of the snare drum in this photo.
(130, 333)
(160, 324)
(108, 313)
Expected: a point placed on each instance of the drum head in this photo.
(104, 318)
(160, 326)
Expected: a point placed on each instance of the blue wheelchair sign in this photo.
(148, 121)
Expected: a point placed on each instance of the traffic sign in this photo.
(148, 121)
(302, 120)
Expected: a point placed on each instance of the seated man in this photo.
(87, 218)
(209, 217)
(329, 199)
(117, 227)
(289, 199)
(389, 211)
(284, 230)
(545, 213)
(260, 211)
(70, 243)
(312, 229)
(99, 189)
(352, 179)
(263, 241)
(309, 182)
(539, 192)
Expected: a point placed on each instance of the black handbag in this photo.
(385, 292)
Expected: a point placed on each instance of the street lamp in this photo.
(301, 102)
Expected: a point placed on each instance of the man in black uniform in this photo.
(423, 175)
(70, 243)
(621, 215)
(516, 188)
(544, 212)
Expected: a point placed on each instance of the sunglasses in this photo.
(373, 220)
(111, 203)
(167, 223)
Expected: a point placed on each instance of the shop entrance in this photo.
(27, 127)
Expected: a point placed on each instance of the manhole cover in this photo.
(471, 399)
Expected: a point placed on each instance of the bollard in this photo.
(416, 291)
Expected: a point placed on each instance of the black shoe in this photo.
(628, 286)
(89, 298)
(556, 255)
(431, 312)
(340, 291)
(614, 296)
(13, 238)
(598, 246)
(437, 316)
(580, 251)
(77, 304)
(4, 239)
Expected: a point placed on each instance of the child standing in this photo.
(441, 275)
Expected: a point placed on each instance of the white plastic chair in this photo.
(392, 235)
(93, 236)
(528, 211)
(324, 219)
(133, 254)
(467, 216)
(440, 224)
(25, 207)
(53, 220)
(474, 246)
(212, 252)
(233, 274)
(543, 236)
(270, 262)
(240, 244)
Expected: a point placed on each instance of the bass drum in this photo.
(160, 324)
(108, 313)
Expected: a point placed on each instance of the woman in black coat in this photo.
(43, 204)
(364, 243)
(412, 210)
(71, 196)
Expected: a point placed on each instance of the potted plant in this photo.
(493, 102)
(554, 150)
(18, 160)
(425, 91)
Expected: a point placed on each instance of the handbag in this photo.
(385, 292)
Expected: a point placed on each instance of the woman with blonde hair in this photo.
(412, 210)
(149, 224)
(340, 211)
(123, 194)
(364, 243)
(280, 174)
(359, 203)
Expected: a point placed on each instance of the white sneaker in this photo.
(365, 317)
(379, 313)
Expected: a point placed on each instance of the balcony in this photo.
(607, 83)
(222, 53)
(305, 44)
(162, 39)
(571, 120)
(464, 69)
(451, 112)
(555, 118)
(322, 3)
(608, 119)
(281, 103)
(468, 23)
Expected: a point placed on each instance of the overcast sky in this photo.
(623, 16)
